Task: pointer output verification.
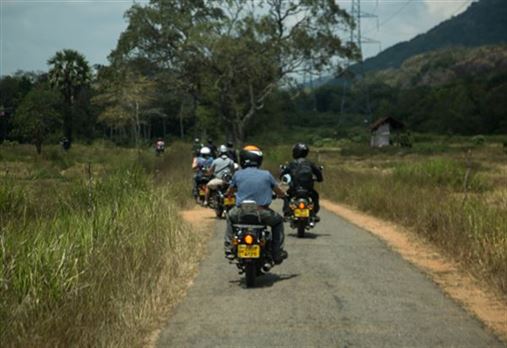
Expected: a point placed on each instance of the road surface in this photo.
(340, 287)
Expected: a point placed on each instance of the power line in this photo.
(393, 15)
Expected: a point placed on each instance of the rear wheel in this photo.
(301, 229)
(250, 274)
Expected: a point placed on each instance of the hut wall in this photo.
(380, 137)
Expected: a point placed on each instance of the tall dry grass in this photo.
(90, 257)
(429, 198)
(463, 214)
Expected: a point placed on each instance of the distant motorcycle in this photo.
(301, 217)
(199, 193)
(219, 201)
(159, 147)
(301, 206)
(251, 244)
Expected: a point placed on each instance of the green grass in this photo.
(85, 254)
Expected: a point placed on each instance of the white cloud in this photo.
(443, 9)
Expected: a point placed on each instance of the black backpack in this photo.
(302, 174)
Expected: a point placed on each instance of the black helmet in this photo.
(300, 150)
(250, 156)
(229, 144)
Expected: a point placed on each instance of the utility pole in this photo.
(358, 39)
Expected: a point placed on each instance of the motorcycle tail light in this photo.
(301, 205)
(249, 239)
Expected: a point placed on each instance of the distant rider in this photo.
(231, 152)
(302, 172)
(212, 148)
(200, 165)
(219, 168)
(252, 183)
(196, 147)
(159, 146)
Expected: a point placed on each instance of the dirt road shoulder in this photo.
(202, 221)
(487, 306)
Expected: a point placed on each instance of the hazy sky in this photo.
(31, 31)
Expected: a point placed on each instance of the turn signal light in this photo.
(249, 239)
(301, 205)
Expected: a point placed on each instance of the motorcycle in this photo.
(219, 201)
(199, 192)
(301, 206)
(301, 217)
(251, 244)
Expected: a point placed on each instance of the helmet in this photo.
(229, 144)
(196, 140)
(210, 141)
(300, 150)
(222, 150)
(205, 152)
(250, 156)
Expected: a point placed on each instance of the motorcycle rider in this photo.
(200, 166)
(159, 146)
(302, 172)
(253, 183)
(212, 147)
(196, 147)
(219, 168)
(231, 152)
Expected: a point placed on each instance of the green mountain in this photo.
(446, 66)
(484, 22)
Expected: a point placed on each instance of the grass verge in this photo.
(91, 256)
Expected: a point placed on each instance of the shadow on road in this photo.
(309, 235)
(267, 280)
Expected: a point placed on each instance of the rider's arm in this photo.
(230, 191)
(279, 192)
(195, 164)
(211, 169)
(317, 172)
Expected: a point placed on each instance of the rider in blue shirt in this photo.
(252, 183)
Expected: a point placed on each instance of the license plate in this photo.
(249, 251)
(302, 213)
(229, 201)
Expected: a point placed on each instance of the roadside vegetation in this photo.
(91, 245)
(454, 194)
(456, 199)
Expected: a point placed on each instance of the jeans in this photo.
(267, 217)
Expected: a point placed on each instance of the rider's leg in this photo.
(275, 221)
(232, 218)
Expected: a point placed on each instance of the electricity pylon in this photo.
(358, 39)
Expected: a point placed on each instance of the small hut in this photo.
(385, 131)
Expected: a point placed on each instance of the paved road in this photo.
(340, 287)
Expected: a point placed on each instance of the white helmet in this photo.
(222, 150)
(205, 151)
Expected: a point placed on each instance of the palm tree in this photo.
(69, 72)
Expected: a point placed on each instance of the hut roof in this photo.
(394, 123)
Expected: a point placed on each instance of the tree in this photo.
(265, 45)
(233, 54)
(69, 73)
(124, 96)
(38, 116)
